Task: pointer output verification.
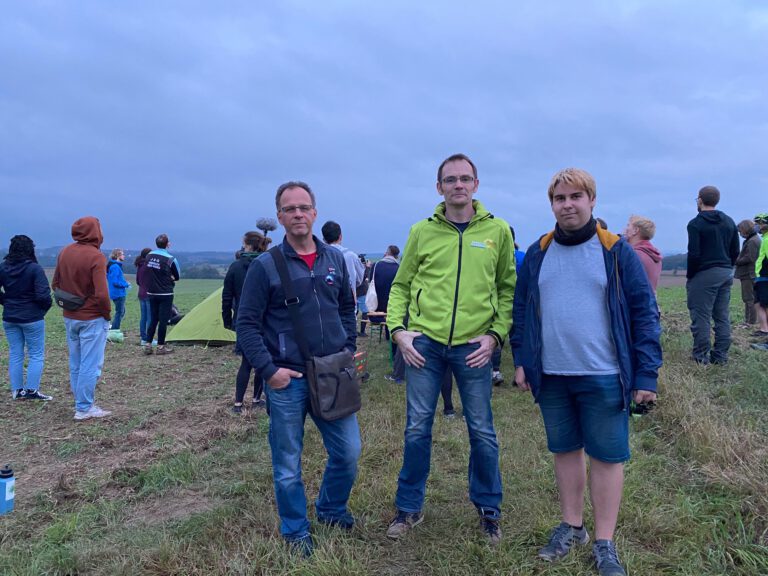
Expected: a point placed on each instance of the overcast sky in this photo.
(183, 117)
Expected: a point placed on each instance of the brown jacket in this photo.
(745, 263)
(82, 270)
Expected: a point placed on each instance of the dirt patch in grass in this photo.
(160, 405)
(169, 507)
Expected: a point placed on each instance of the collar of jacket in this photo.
(288, 250)
(480, 212)
(607, 239)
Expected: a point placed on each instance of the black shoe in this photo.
(260, 403)
(346, 522)
(33, 395)
(237, 409)
(491, 530)
(362, 335)
(449, 414)
(302, 546)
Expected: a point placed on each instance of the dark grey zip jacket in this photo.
(326, 306)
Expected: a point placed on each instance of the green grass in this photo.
(175, 484)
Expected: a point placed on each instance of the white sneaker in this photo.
(93, 412)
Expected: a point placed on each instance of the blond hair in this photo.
(579, 179)
(115, 253)
(645, 227)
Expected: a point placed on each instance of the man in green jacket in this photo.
(455, 284)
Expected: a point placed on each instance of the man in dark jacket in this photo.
(162, 273)
(585, 363)
(266, 336)
(713, 246)
(82, 270)
(254, 244)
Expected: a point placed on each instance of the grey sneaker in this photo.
(497, 378)
(491, 529)
(161, 350)
(148, 349)
(403, 522)
(561, 539)
(93, 412)
(763, 346)
(606, 558)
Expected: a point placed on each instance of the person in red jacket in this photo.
(639, 233)
(81, 270)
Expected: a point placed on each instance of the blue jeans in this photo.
(146, 317)
(117, 317)
(287, 411)
(32, 336)
(422, 390)
(86, 340)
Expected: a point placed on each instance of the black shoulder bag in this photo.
(334, 387)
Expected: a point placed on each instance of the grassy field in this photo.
(174, 483)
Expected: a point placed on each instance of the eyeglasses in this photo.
(303, 208)
(462, 179)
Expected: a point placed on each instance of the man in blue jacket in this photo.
(118, 285)
(266, 337)
(585, 339)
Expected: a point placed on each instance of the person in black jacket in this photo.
(253, 245)
(713, 246)
(26, 297)
(162, 273)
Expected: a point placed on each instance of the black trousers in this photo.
(241, 383)
(161, 312)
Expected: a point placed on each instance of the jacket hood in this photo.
(87, 230)
(713, 216)
(647, 248)
(16, 268)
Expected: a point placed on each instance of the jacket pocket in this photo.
(418, 306)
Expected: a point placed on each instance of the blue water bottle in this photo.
(7, 489)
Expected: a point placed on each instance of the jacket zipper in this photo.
(456, 292)
(317, 299)
(613, 337)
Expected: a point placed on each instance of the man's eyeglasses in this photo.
(303, 208)
(462, 179)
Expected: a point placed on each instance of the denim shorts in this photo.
(585, 412)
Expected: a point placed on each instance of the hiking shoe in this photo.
(148, 349)
(561, 539)
(34, 395)
(497, 379)
(606, 558)
(92, 412)
(346, 522)
(161, 350)
(491, 529)
(403, 522)
(304, 546)
(237, 409)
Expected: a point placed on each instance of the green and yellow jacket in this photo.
(455, 286)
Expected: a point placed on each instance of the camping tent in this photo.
(203, 325)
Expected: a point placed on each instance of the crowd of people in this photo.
(447, 304)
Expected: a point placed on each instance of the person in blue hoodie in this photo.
(26, 297)
(118, 285)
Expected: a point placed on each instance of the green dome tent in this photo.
(203, 325)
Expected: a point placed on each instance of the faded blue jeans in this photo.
(422, 391)
(287, 412)
(31, 336)
(86, 340)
